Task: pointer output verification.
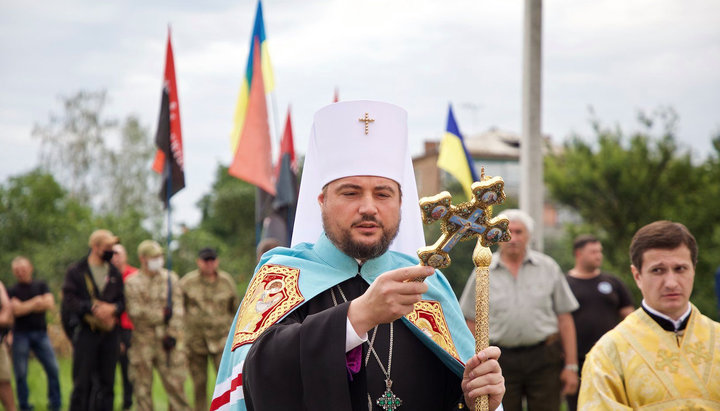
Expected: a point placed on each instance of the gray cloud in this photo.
(616, 56)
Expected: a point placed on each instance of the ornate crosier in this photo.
(464, 222)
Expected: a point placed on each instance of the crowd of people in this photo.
(543, 320)
(354, 333)
(579, 336)
(143, 318)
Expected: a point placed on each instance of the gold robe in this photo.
(638, 365)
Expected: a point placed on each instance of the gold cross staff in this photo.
(367, 121)
(463, 222)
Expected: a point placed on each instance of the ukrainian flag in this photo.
(454, 157)
(267, 75)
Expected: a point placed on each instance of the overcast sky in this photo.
(616, 56)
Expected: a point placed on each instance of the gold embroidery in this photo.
(689, 406)
(429, 318)
(698, 352)
(273, 293)
(667, 360)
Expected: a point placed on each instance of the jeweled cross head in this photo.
(464, 221)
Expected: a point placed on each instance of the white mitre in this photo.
(343, 144)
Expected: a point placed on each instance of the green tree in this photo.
(101, 164)
(40, 220)
(73, 144)
(618, 183)
(104, 167)
(227, 224)
(133, 185)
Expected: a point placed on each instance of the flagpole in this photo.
(278, 137)
(168, 194)
(289, 220)
(278, 142)
(259, 204)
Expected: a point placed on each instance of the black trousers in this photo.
(125, 337)
(532, 373)
(95, 355)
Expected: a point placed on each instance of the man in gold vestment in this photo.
(666, 354)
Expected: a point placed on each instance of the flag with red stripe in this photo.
(279, 222)
(169, 156)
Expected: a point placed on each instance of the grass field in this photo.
(37, 384)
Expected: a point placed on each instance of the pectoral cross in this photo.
(367, 120)
(463, 222)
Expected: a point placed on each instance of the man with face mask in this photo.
(93, 299)
(157, 339)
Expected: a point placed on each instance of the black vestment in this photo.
(299, 363)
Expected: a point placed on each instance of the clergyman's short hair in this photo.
(664, 235)
(584, 239)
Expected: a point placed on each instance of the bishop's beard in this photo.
(344, 242)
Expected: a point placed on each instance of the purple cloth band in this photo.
(353, 360)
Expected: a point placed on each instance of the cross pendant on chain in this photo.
(389, 401)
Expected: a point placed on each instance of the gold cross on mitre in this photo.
(464, 221)
(367, 121)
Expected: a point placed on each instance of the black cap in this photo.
(207, 252)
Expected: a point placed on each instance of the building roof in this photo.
(491, 144)
(494, 143)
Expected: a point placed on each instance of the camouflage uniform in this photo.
(209, 311)
(146, 297)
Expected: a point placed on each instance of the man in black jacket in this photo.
(93, 299)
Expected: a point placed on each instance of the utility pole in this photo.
(531, 157)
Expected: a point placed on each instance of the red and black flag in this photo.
(280, 223)
(169, 157)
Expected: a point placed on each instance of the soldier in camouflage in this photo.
(211, 300)
(157, 339)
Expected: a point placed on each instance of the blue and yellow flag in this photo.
(454, 157)
(252, 147)
(258, 36)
